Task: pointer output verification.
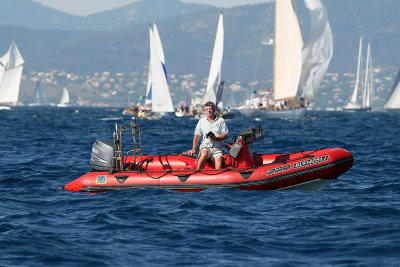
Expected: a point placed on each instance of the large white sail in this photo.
(64, 98)
(161, 98)
(393, 101)
(287, 52)
(11, 66)
(160, 51)
(317, 51)
(214, 76)
(158, 43)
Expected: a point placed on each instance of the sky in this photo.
(86, 7)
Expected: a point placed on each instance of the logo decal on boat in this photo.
(101, 179)
(310, 162)
(278, 170)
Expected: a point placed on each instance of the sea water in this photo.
(354, 222)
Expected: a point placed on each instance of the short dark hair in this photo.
(209, 104)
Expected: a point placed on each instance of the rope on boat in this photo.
(305, 155)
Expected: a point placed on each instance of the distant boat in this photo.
(393, 101)
(215, 86)
(39, 96)
(155, 36)
(298, 70)
(64, 101)
(11, 66)
(214, 76)
(364, 83)
(158, 89)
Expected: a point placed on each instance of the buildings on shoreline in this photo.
(123, 89)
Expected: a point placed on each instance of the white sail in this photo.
(355, 91)
(11, 65)
(64, 98)
(158, 43)
(148, 87)
(161, 98)
(367, 83)
(393, 101)
(160, 51)
(317, 51)
(214, 76)
(287, 52)
(364, 82)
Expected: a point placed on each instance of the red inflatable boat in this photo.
(112, 170)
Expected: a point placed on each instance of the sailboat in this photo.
(215, 86)
(11, 66)
(39, 96)
(298, 69)
(214, 76)
(393, 101)
(158, 90)
(64, 101)
(364, 83)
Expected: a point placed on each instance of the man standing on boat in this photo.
(214, 131)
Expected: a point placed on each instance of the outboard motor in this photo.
(240, 150)
(102, 155)
(252, 135)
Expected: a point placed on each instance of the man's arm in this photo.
(196, 140)
(224, 130)
(219, 138)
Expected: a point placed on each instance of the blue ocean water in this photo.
(354, 222)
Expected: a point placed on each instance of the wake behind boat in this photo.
(111, 169)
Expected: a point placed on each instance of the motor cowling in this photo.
(252, 135)
(102, 155)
